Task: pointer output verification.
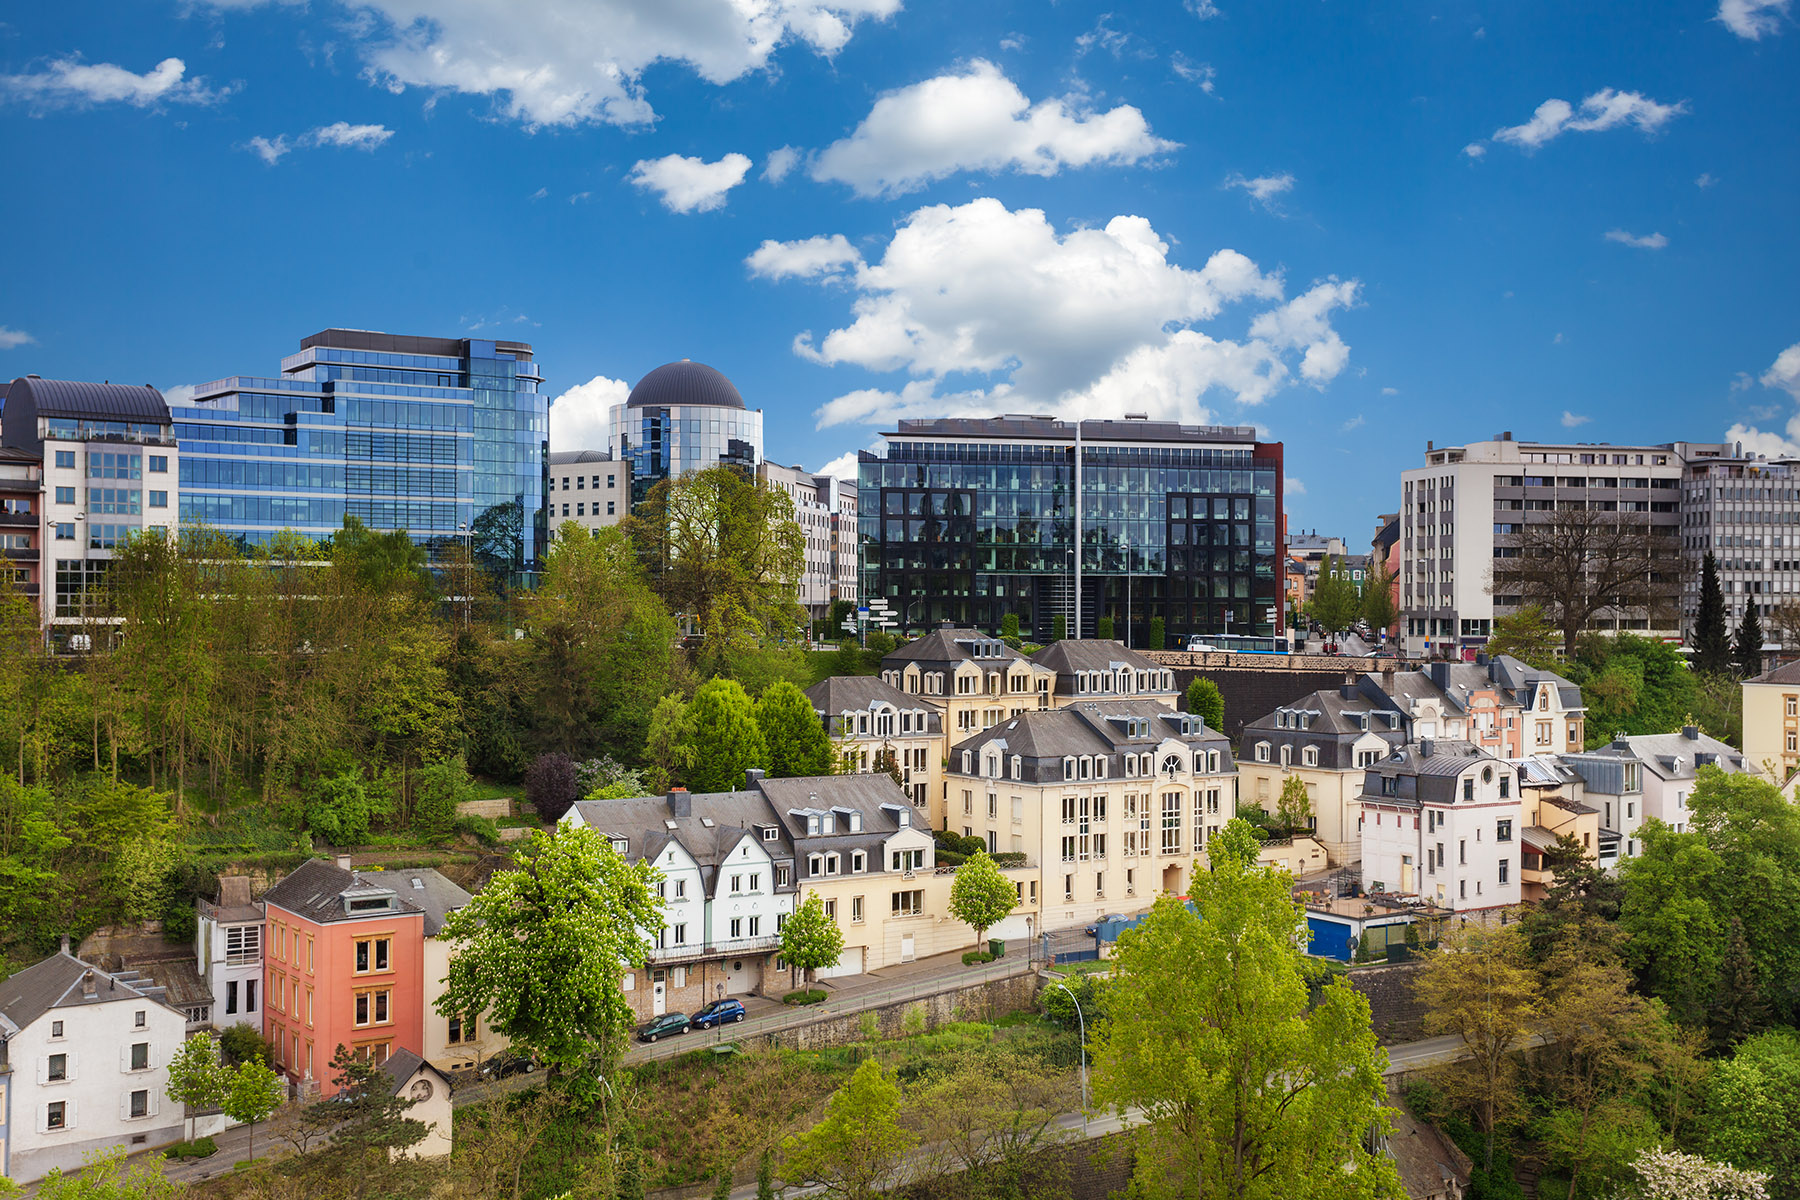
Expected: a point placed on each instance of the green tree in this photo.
(1634, 684)
(1480, 987)
(438, 788)
(1009, 625)
(980, 896)
(197, 1079)
(1526, 634)
(1103, 629)
(105, 1177)
(988, 1122)
(724, 736)
(1581, 899)
(1738, 1009)
(1378, 607)
(340, 808)
(857, 1145)
(1672, 1175)
(1752, 1115)
(1335, 602)
(252, 1092)
(1712, 645)
(792, 731)
(368, 1122)
(1673, 936)
(1059, 627)
(669, 745)
(1205, 698)
(543, 947)
(1249, 1087)
(1748, 650)
(1293, 808)
(810, 940)
(765, 1176)
(1159, 634)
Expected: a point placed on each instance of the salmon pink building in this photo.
(344, 966)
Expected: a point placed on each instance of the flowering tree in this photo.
(1672, 1175)
(542, 949)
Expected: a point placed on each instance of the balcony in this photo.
(726, 949)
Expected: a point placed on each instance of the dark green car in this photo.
(666, 1025)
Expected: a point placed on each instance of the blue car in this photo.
(718, 1013)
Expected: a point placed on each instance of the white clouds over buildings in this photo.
(979, 120)
(12, 339)
(1783, 373)
(690, 184)
(1605, 109)
(578, 417)
(992, 310)
(71, 83)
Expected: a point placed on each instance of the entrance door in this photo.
(659, 994)
(906, 947)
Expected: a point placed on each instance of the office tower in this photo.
(684, 416)
(968, 520)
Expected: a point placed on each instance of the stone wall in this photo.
(1394, 1007)
(496, 809)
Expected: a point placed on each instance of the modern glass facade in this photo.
(682, 417)
(442, 437)
(969, 520)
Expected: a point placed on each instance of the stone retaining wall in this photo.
(496, 809)
(1394, 1006)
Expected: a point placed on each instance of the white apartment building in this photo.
(815, 513)
(588, 487)
(1746, 513)
(1671, 764)
(228, 950)
(110, 469)
(728, 886)
(84, 1066)
(844, 541)
(1467, 505)
(1441, 821)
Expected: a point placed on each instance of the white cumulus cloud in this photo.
(1474, 149)
(992, 310)
(841, 467)
(1198, 73)
(1783, 373)
(578, 417)
(1648, 241)
(979, 120)
(1292, 486)
(813, 258)
(1607, 108)
(12, 339)
(71, 83)
(1572, 421)
(572, 62)
(690, 184)
(1262, 188)
(779, 163)
(339, 135)
(1752, 18)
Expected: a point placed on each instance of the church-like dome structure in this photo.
(684, 383)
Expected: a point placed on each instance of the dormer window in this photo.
(827, 823)
(855, 822)
(812, 824)
(1131, 766)
(622, 845)
(966, 760)
(1309, 757)
(1262, 752)
(1287, 755)
(1087, 767)
(831, 863)
(1068, 768)
(1212, 762)
(815, 864)
(1100, 768)
(859, 862)
(770, 833)
(1018, 767)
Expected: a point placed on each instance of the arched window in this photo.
(1172, 764)
(1262, 752)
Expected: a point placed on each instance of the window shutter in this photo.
(155, 1101)
(74, 1069)
(43, 1070)
(125, 1057)
(124, 1106)
(69, 1109)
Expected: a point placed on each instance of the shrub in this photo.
(1104, 629)
(198, 1148)
(550, 785)
(483, 829)
(1059, 1007)
(806, 996)
(1009, 858)
(1159, 638)
(977, 956)
(241, 1043)
(340, 808)
(438, 788)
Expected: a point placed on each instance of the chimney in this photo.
(65, 943)
(1481, 658)
(1347, 691)
(234, 891)
(753, 777)
(1619, 740)
(343, 862)
(1440, 675)
(1426, 747)
(1691, 732)
(681, 802)
(87, 984)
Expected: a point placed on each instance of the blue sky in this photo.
(1358, 226)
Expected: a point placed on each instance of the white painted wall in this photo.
(220, 971)
(1469, 830)
(97, 1038)
(753, 902)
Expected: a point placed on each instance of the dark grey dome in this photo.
(684, 382)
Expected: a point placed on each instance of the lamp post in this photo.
(1082, 1020)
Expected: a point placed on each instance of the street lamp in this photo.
(1084, 1074)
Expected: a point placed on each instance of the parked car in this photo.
(507, 1064)
(666, 1025)
(1094, 929)
(1199, 645)
(718, 1013)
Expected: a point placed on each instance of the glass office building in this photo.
(967, 520)
(442, 437)
(682, 417)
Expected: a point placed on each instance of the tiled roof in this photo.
(56, 983)
(314, 891)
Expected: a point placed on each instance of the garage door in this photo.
(851, 963)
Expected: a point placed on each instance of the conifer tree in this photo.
(1749, 643)
(1712, 650)
(1738, 1010)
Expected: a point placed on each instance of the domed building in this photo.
(683, 416)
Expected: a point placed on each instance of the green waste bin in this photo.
(997, 947)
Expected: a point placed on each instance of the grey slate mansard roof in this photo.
(951, 646)
(1091, 654)
(56, 983)
(1784, 674)
(1044, 737)
(648, 826)
(314, 890)
(1521, 680)
(839, 694)
(1425, 778)
(1675, 756)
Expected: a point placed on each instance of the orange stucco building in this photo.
(344, 966)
